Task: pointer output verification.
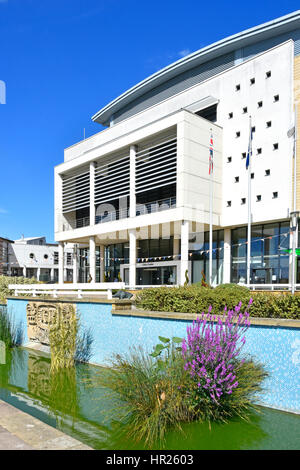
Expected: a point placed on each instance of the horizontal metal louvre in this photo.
(112, 180)
(156, 166)
(76, 191)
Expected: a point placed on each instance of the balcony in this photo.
(142, 209)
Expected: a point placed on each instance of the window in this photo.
(236, 179)
(268, 74)
(275, 146)
(276, 98)
(252, 176)
(31, 255)
(229, 159)
(243, 155)
(237, 134)
(245, 110)
(55, 257)
(267, 172)
(269, 123)
(252, 81)
(253, 129)
(259, 104)
(69, 259)
(243, 201)
(275, 195)
(259, 150)
(237, 87)
(45, 256)
(258, 198)
(268, 263)
(228, 203)
(230, 115)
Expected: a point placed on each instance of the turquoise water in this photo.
(68, 402)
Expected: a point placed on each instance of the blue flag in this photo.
(249, 154)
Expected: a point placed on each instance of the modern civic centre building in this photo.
(134, 198)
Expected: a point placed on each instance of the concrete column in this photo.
(102, 263)
(132, 257)
(38, 274)
(184, 264)
(93, 259)
(227, 256)
(92, 193)
(132, 198)
(24, 271)
(61, 262)
(52, 274)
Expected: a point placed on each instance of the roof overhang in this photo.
(267, 30)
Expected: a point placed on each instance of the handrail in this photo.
(78, 289)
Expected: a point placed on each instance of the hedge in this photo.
(195, 299)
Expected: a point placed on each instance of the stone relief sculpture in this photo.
(40, 316)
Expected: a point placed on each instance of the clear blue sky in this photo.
(62, 60)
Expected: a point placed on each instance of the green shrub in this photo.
(6, 280)
(196, 299)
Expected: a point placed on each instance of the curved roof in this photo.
(258, 33)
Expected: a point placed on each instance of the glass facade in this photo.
(269, 264)
(154, 248)
(199, 255)
(114, 256)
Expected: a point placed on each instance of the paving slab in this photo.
(21, 431)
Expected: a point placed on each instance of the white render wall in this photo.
(19, 256)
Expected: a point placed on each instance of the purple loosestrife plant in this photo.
(211, 351)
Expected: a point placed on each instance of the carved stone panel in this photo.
(42, 315)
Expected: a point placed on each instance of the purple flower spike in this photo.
(212, 348)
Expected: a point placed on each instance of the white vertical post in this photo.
(102, 263)
(210, 209)
(132, 257)
(93, 259)
(184, 264)
(38, 274)
(61, 262)
(227, 256)
(249, 207)
(51, 274)
(92, 193)
(132, 198)
(24, 271)
(75, 264)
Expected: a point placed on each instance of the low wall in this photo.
(275, 343)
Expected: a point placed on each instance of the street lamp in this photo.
(294, 227)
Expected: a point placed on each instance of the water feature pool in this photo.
(68, 402)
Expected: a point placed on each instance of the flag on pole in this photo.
(249, 154)
(211, 155)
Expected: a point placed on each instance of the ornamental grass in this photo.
(203, 377)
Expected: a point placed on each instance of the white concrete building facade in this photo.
(135, 196)
(33, 257)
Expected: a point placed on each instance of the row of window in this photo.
(258, 198)
(258, 152)
(253, 129)
(252, 80)
(237, 178)
(259, 105)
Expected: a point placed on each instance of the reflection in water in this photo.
(68, 400)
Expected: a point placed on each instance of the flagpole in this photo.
(249, 208)
(210, 214)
